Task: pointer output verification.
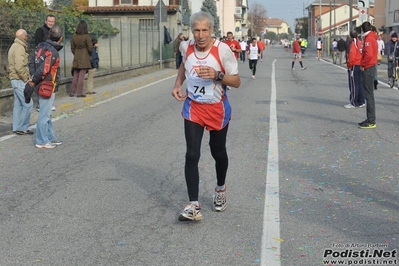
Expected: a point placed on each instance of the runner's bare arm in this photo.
(177, 90)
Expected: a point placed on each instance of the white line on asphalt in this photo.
(271, 240)
(379, 82)
(94, 104)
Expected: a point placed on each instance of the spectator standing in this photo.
(296, 51)
(368, 68)
(82, 48)
(374, 29)
(356, 91)
(176, 48)
(381, 45)
(41, 35)
(244, 46)
(334, 45)
(47, 69)
(341, 49)
(391, 48)
(95, 60)
(303, 44)
(19, 76)
(348, 44)
(205, 106)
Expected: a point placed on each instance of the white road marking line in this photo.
(271, 240)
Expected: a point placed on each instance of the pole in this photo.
(329, 32)
(319, 26)
(160, 35)
(335, 20)
(350, 15)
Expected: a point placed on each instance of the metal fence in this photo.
(130, 42)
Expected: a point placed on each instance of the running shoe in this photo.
(362, 105)
(363, 123)
(349, 106)
(304, 68)
(24, 132)
(191, 213)
(46, 146)
(368, 125)
(56, 142)
(220, 200)
(253, 76)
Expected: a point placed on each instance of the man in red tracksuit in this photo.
(296, 50)
(368, 68)
(356, 90)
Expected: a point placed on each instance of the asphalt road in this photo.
(111, 194)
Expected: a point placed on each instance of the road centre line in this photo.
(270, 254)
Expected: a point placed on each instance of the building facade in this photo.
(391, 15)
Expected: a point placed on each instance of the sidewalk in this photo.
(65, 104)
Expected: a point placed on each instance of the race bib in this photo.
(201, 90)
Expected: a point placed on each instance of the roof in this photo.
(123, 8)
(274, 22)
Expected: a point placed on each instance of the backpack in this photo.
(36, 58)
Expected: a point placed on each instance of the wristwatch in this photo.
(220, 76)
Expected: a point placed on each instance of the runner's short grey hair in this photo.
(201, 16)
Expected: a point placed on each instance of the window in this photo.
(396, 16)
(148, 25)
(174, 2)
(126, 2)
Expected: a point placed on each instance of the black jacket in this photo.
(167, 37)
(341, 45)
(390, 49)
(42, 34)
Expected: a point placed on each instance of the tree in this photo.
(58, 4)
(257, 17)
(80, 2)
(301, 26)
(31, 5)
(271, 35)
(210, 7)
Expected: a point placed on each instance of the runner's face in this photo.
(229, 37)
(202, 35)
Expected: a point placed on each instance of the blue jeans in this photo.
(22, 110)
(44, 126)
